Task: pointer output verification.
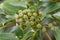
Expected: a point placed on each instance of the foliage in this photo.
(29, 20)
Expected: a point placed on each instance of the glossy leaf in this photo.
(27, 34)
(7, 36)
(13, 7)
(19, 31)
(57, 15)
(52, 7)
(1, 11)
(57, 34)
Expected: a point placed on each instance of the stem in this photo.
(48, 36)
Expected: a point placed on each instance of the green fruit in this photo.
(32, 22)
(28, 24)
(52, 28)
(20, 14)
(39, 25)
(29, 14)
(35, 14)
(43, 29)
(30, 18)
(25, 17)
(20, 20)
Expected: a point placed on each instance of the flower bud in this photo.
(50, 25)
(52, 28)
(37, 19)
(28, 23)
(40, 12)
(29, 14)
(32, 18)
(28, 10)
(19, 11)
(25, 17)
(35, 14)
(39, 25)
(32, 23)
(20, 14)
(20, 20)
(24, 12)
(43, 29)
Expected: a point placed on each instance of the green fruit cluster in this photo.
(28, 18)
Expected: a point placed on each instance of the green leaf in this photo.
(57, 15)
(52, 7)
(10, 26)
(37, 35)
(10, 17)
(13, 7)
(2, 20)
(19, 31)
(1, 11)
(33, 35)
(57, 34)
(7, 36)
(27, 34)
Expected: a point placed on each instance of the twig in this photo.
(48, 36)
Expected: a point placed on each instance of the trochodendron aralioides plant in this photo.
(29, 20)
